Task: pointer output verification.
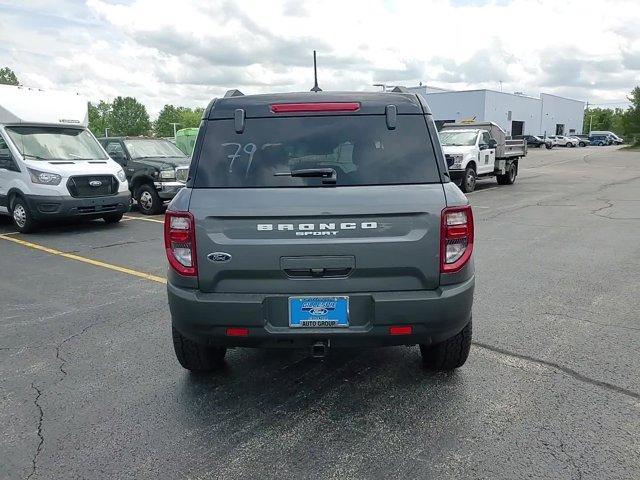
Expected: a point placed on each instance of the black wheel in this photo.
(508, 178)
(22, 217)
(113, 217)
(582, 144)
(468, 183)
(148, 200)
(571, 145)
(450, 354)
(196, 357)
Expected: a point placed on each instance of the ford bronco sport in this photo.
(319, 220)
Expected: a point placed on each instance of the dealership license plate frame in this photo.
(300, 316)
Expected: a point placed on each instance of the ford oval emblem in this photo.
(95, 183)
(219, 257)
(318, 311)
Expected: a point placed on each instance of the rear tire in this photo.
(113, 218)
(468, 183)
(450, 354)
(508, 178)
(196, 357)
(582, 144)
(148, 200)
(22, 216)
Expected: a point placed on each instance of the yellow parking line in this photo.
(96, 263)
(146, 219)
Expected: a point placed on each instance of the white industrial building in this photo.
(517, 114)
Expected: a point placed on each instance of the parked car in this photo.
(615, 139)
(156, 169)
(51, 166)
(552, 141)
(538, 142)
(564, 141)
(583, 140)
(477, 150)
(286, 235)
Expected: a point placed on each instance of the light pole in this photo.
(106, 133)
(174, 129)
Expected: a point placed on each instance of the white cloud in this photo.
(190, 51)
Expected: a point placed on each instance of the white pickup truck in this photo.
(474, 150)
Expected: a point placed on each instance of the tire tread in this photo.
(449, 354)
(196, 357)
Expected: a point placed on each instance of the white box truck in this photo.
(475, 150)
(51, 166)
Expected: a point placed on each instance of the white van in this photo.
(615, 139)
(51, 166)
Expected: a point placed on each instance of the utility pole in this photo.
(175, 124)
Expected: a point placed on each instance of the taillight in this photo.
(315, 107)
(456, 238)
(180, 242)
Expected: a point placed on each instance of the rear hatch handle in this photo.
(318, 266)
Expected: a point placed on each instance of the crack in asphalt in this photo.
(118, 244)
(568, 371)
(34, 460)
(609, 204)
(571, 460)
(63, 361)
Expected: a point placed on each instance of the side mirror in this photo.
(6, 161)
(493, 143)
(483, 146)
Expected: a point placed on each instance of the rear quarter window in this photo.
(360, 148)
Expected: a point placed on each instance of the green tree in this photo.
(185, 117)
(632, 116)
(7, 77)
(99, 118)
(162, 126)
(128, 117)
(191, 117)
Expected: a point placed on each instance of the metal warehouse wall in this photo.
(505, 108)
(564, 111)
(457, 105)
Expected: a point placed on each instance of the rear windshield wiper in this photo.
(328, 175)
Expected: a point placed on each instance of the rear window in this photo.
(360, 149)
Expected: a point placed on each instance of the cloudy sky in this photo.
(189, 51)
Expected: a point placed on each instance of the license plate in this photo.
(318, 312)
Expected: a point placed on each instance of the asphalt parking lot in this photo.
(91, 389)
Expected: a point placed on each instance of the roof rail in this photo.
(233, 93)
(400, 90)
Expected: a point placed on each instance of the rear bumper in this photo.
(53, 207)
(434, 315)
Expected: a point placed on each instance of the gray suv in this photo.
(318, 220)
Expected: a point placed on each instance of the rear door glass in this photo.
(360, 149)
